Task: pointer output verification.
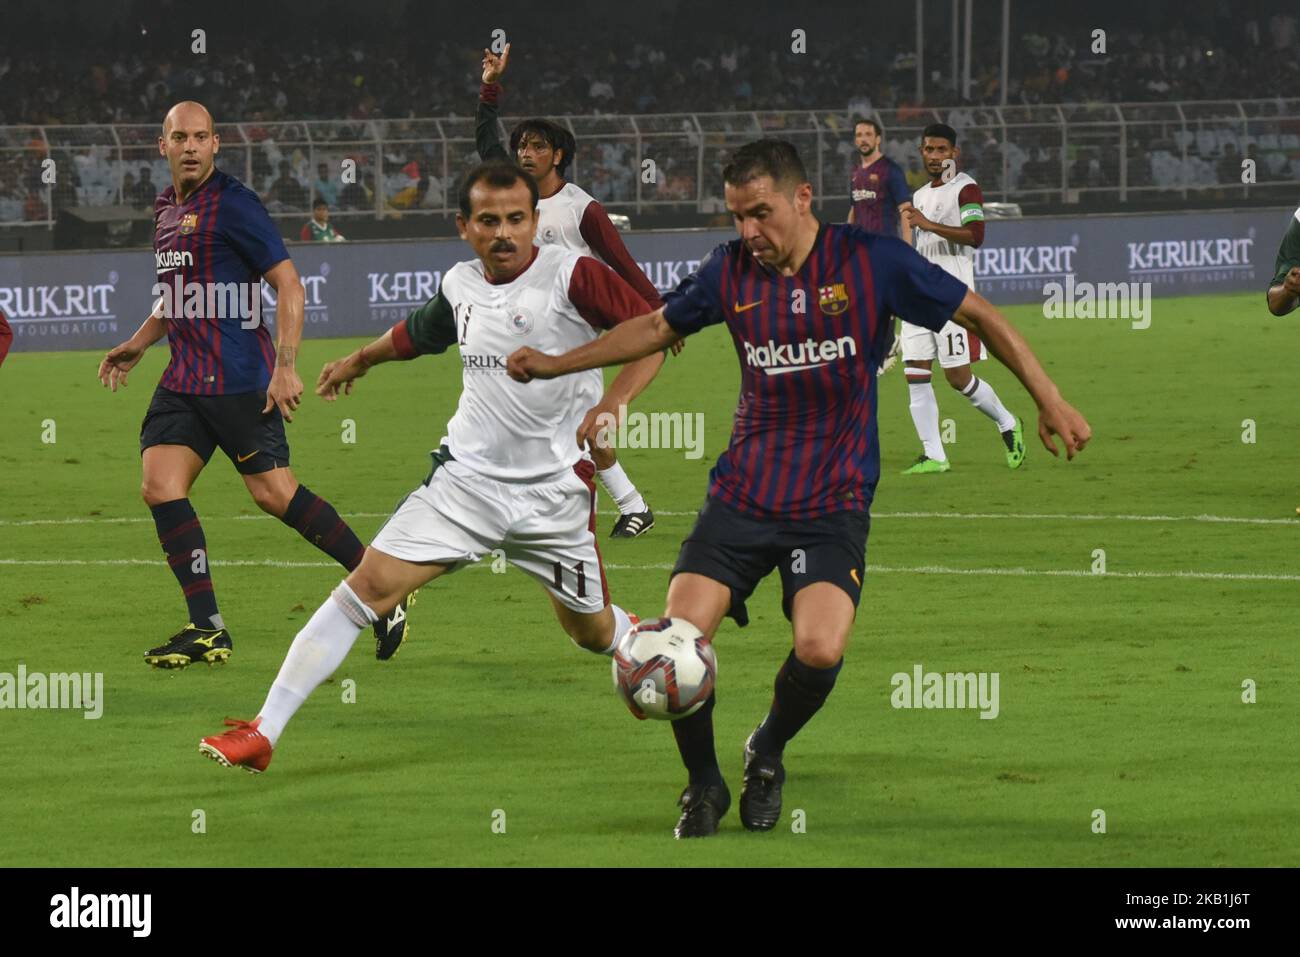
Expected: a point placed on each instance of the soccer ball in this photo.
(664, 669)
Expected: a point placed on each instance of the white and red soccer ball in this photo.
(664, 669)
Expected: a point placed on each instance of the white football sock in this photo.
(621, 489)
(983, 397)
(925, 416)
(621, 625)
(315, 654)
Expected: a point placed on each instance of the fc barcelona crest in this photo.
(833, 299)
(189, 222)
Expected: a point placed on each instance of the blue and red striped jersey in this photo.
(804, 442)
(221, 234)
(876, 191)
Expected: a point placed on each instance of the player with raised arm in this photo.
(948, 216)
(570, 217)
(227, 386)
(793, 489)
(510, 473)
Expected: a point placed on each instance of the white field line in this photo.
(874, 569)
(964, 516)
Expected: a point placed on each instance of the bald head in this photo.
(189, 143)
(188, 115)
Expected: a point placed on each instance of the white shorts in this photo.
(548, 529)
(953, 346)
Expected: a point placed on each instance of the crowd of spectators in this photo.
(123, 72)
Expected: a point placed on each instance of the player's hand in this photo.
(1061, 418)
(117, 363)
(284, 392)
(915, 219)
(338, 375)
(494, 65)
(1292, 281)
(525, 365)
(677, 347)
(597, 423)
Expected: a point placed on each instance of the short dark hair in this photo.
(319, 203)
(863, 121)
(552, 134)
(775, 158)
(940, 130)
(498, 174)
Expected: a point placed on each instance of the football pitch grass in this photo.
(1120, 692)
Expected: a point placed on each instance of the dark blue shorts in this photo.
(234, 423)
(740, 550)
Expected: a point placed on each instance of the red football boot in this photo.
(244, 747)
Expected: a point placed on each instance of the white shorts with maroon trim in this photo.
(548, 529)
(953, 346)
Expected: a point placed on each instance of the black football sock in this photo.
(315, 520)
(799, 692)
(181, 535)
(694, 736)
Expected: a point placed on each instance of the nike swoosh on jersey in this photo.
(748, 306)
(245, 458)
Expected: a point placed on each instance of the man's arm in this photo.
(486, 140)
(285, 388)
(1285, 296)
(1056, 416)
(120, 360)
(628, 341)
(429, 329)
(1284, 291)
(972, 235)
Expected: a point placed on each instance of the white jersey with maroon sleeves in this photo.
(957, 202)
(572, 218)
(512, 431)
(559, 219)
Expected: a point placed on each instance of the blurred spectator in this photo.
(287, 191)
(145, 193)
(1230, 165)
(326, 188)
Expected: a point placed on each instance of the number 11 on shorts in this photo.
(581, 571)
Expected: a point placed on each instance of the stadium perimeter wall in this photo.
(94, 300)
